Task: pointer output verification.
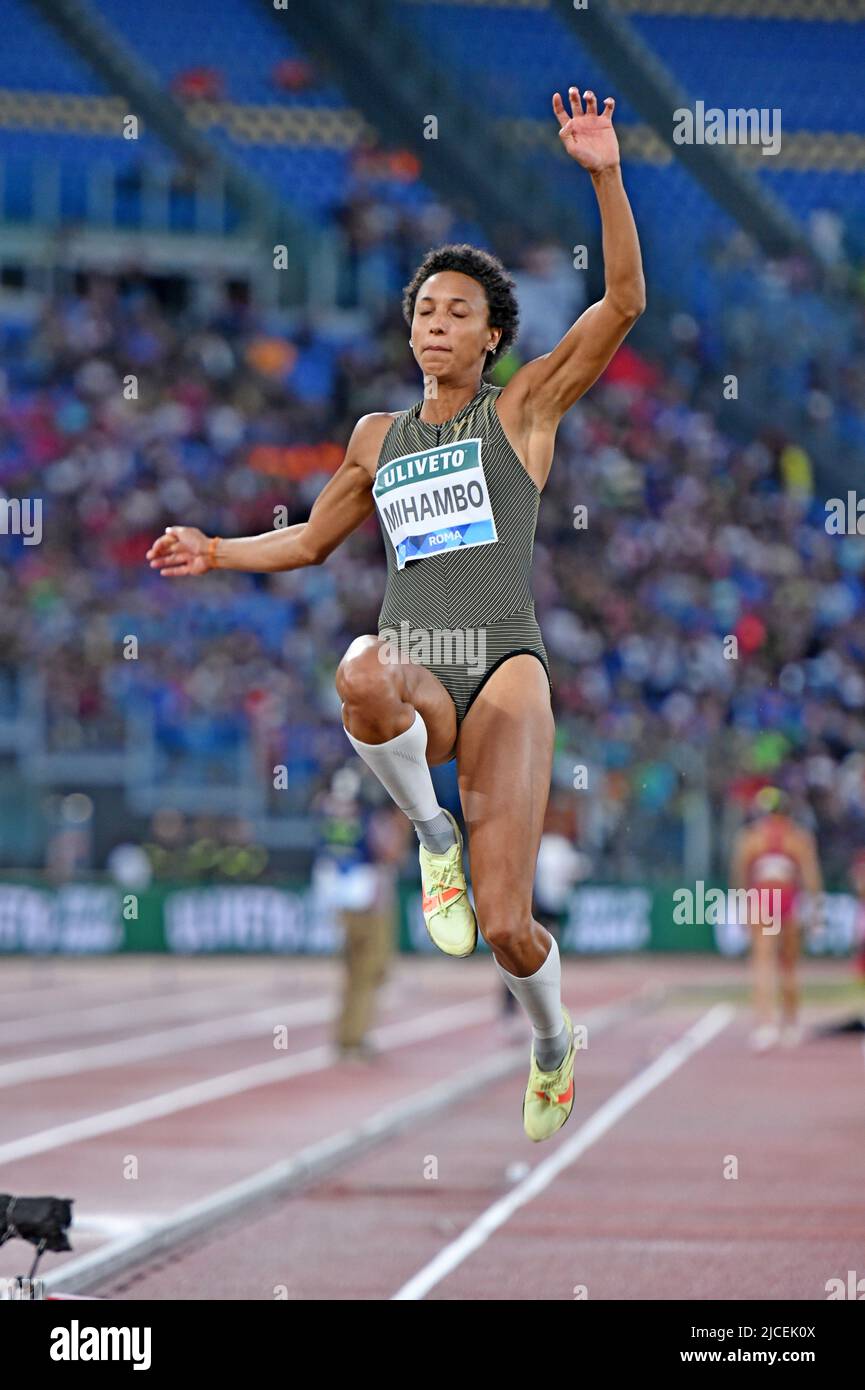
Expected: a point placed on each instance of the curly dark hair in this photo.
(490, 274)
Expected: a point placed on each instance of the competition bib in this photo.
(435, 500)
(773, 868)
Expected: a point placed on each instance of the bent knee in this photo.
(502, 923)
(362, 677)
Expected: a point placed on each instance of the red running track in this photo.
(642, 1210)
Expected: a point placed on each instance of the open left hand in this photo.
(589, 138)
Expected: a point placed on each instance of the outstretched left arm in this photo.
(548, 386)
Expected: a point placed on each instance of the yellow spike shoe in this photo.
(449, 917)
(549, 1097)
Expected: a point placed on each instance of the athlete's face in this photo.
(450, 331)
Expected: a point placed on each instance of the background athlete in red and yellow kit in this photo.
(775, 855)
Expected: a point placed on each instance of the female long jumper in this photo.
(458, 667)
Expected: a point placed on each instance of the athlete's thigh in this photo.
(504, 761)
(375, 687)
(436, 708)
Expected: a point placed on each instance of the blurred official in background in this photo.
(371, 929)
(356, 876)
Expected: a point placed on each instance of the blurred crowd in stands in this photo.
(124, 415)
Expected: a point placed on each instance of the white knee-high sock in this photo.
(400, 765)
(541, 997)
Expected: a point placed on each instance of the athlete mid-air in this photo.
(456, 481)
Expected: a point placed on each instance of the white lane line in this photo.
(246, 1079)
(307, 1165)
(186, 1036)
(114, 1225)
(40, 993)
(314, 1162)
(104, 1017)
(55, 975)
(401, 1034)
(589, 1132)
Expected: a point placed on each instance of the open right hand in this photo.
(179, 551)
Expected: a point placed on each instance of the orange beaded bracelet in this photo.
(211, 552)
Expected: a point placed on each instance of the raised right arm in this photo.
(344, 502)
